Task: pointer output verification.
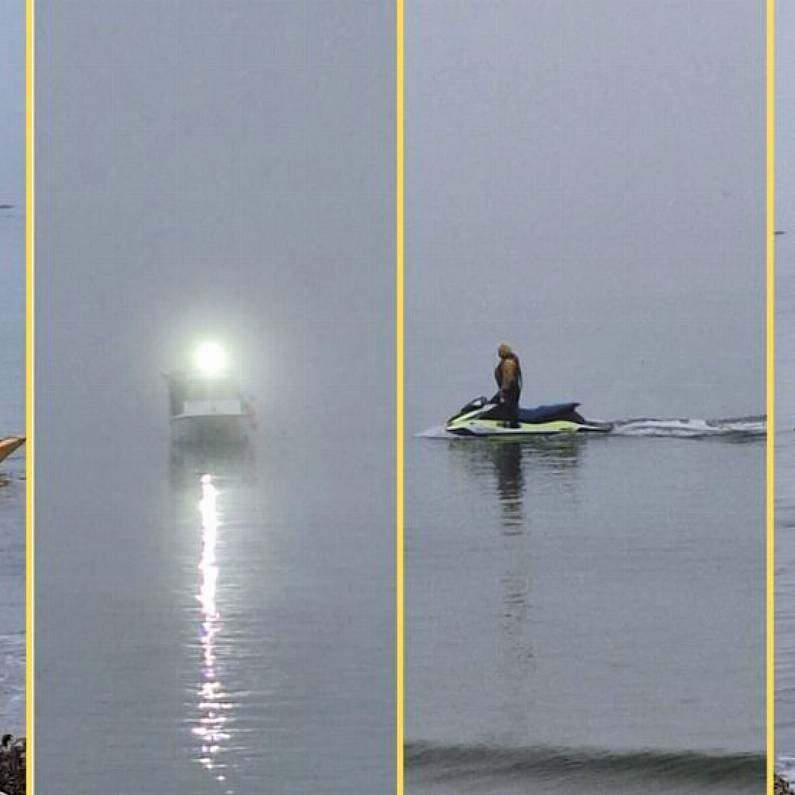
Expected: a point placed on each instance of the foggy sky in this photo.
(785, 108)
(12, 226)
(590, 180)
(785, 217)
(216, 169)
(12, 102)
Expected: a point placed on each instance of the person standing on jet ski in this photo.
(508, 375)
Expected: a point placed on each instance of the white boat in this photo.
(208, 411)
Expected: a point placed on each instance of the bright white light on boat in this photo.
(210, 358)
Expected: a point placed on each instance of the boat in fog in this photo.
(207, 407)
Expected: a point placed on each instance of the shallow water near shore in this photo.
(12, 476)
(542, 770)
(585, 609)
(785, 512)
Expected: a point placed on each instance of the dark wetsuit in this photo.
(510, 388)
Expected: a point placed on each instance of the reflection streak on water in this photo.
(213, 702)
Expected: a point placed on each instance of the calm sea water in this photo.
(12, 474)
(785, 508)
(220, 627)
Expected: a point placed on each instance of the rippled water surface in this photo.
(231, 618)
(785, 511)
(585, 607)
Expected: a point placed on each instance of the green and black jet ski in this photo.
(484, 417)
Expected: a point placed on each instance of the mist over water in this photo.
(226, 635)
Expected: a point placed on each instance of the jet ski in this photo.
(484, 417)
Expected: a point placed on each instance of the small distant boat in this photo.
(10, 443)
(212, 419)
(208, 412)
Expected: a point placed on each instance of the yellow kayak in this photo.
(9, 444)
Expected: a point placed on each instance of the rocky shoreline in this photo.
(12, 765)
(781, 787)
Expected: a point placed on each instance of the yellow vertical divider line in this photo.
(770, 160)
(399, 396)
(29, 380)
(770, 156)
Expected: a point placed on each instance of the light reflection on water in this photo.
(214, 705)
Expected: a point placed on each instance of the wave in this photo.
(464, 761)
(12, 681)
(735, 428)
(436, 432)
(785, 767)
(683, 428)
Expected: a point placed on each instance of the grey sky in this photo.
(606, 165)
(785, 217)
(589, 179)
(214, 166)
(12, 226)
(785, 115)
(12, 101)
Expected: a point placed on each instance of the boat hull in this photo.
(9, 444)
(487, 427)
(482, 417)
(216, 431)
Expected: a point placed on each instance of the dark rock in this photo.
(12, 766)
